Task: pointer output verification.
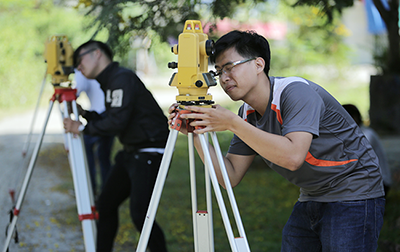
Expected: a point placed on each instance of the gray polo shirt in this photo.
(340, 165)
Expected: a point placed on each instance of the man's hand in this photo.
(216, 118)
(71, 126)
(173, 112)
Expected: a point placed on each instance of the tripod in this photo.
(77, 159)
(26, 145)
(202, 222)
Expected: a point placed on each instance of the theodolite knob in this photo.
(199, 83)
(173, 65)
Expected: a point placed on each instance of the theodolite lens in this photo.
(210, 47)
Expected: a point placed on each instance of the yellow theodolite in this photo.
(59, 58)
(193, 79)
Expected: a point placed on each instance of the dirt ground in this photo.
(48, 218)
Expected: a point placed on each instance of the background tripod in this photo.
(202, 220)
(77, 160)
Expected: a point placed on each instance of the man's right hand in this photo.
(173, 113)
(71, 126)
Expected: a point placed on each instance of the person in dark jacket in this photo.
(134, 116)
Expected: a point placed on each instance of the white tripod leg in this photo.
(241, 241)
(209, 205)
(192, 170)
(202, 220)
(27, 178)
(235, 246)
(28, 140)
(81, 146)
(82, 186)
(158, 187)
(66, 147)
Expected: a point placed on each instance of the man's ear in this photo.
(98, 54)
(260, 63)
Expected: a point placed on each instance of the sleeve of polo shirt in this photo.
(301, 109)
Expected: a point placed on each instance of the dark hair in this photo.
(247, 44)
(354, 112)
(93, 44)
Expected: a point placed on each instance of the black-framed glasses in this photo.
(79, 57)
(227, 68)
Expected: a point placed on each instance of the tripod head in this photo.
(59, 58)
(193, 79)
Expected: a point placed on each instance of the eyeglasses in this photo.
(227, 68)
(79, 57)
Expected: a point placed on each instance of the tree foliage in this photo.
(25, 27)
(327, 7)
(123, 18)
(389, 13)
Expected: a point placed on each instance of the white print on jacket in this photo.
(115, 98)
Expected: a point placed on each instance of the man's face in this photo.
(87, 62)
(236, 73)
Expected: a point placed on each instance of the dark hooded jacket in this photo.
(132, 113)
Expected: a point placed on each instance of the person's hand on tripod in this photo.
(71, 126)
(173, 112)
(216, 118)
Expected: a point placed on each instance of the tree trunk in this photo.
(384, 109)
(390, 16)
(394, 42)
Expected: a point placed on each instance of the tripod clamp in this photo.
(177, 121)
(63, 94)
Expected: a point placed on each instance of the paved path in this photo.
(42, 222)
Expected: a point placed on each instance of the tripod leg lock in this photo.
(12, 214)
(15, 212)
(91, 216)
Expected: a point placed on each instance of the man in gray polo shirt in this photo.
(305, 135)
